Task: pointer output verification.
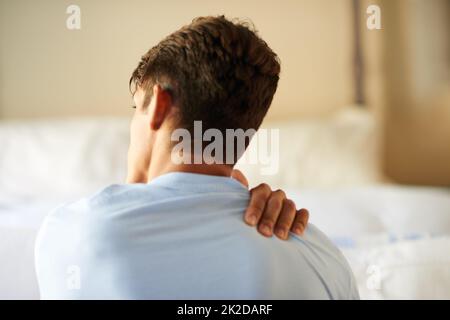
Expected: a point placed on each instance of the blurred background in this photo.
(364, 118)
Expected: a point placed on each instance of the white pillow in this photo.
(76, 156)
(340, 150)
(49, 158)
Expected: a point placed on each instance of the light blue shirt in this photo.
(180, 236)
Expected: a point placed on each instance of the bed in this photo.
(396, 238)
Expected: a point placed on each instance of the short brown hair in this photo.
(218, 71)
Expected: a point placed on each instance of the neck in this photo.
(161, 163)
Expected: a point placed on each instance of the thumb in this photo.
(239, 176)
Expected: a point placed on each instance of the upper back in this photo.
(181, 236)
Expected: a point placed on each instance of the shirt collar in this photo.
(198, 182)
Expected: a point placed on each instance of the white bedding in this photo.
(396, 239)
(17, 277)
(402, 269)
(395, 236)
(352, 212)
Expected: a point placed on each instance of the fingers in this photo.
(258, 198)
(274, 213)
(300, 222)
(286, 219)
(239, 176)
(271, 213)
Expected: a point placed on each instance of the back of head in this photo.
(218, 71)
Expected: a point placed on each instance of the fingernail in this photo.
(266, 230)
(298, 231)
(251, 220)
(281, 233)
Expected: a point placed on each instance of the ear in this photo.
(160, 106)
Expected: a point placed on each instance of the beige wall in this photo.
(416, 54)
(48, 70)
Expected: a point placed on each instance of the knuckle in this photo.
(256, 209)
(257, 200)
(265, 188)
(302, 217)
(274, 206)
(280, 193)
(303, 211)
(290, 205)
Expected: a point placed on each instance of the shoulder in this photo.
(91, 211)
(92, 219)
(330, 262)
(108, 199)
(316, 240)
(114, 202)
